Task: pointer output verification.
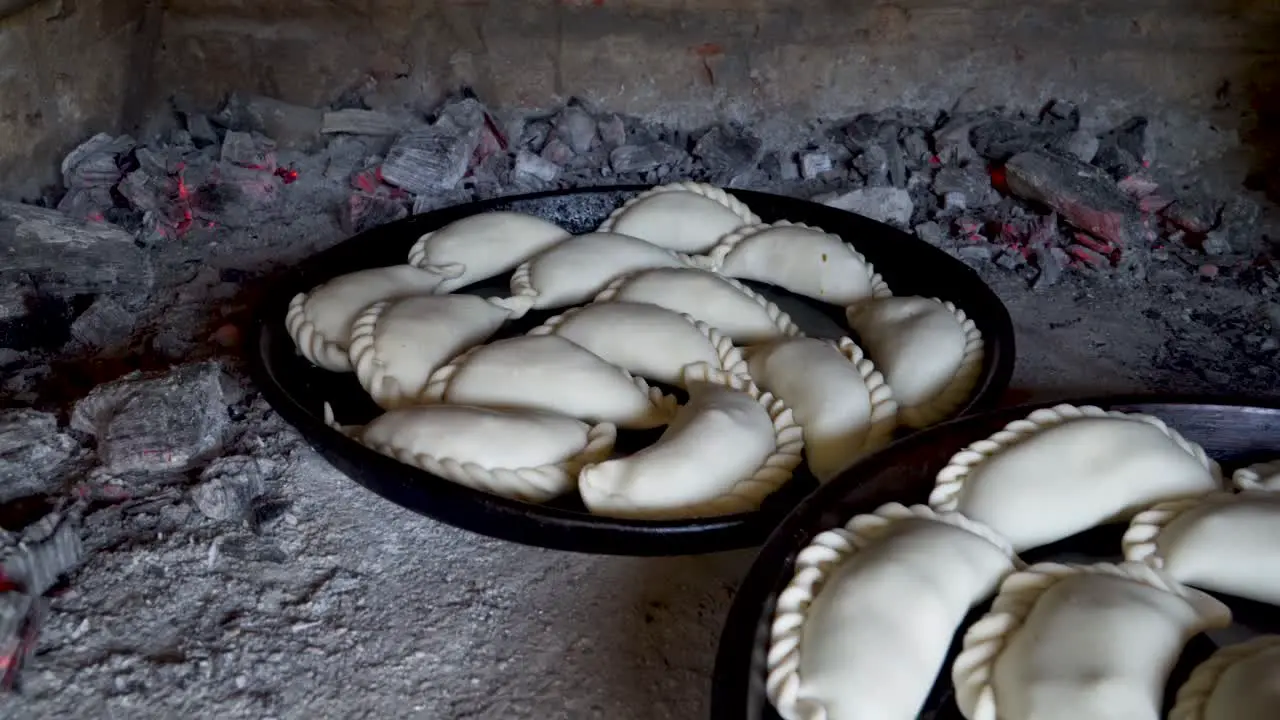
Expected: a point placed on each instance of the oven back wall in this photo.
(690, 61)
(68, 69)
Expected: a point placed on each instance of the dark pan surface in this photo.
(1233, 431)
(297, 390)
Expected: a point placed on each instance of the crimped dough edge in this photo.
(951, 479)
(814, 566)
(1255, 476)
(963, 380)
(728, 355)
(314, 346)
(986, 639)
(714, 259)
(711, 192)
(535, 484)
(777, 315)
(438, 384)
(1193, 696)
(1141, 539)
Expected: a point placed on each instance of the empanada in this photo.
(320, 321)
(687, 217)
(646, 340)
(1238, 682)
(796, 257)
(724, 453)
(863, 628)
(481, 246)
(1065, 642)
(723, 303)
(1224, 542)
(396, 345)
(929, 351)
(837, 395)
(1065, 469)
(577, 269)
(547, 372)
(523, 454)
(1262, 476)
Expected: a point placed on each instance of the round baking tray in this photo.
(298, 390)
(1235, 432)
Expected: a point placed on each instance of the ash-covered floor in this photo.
(330, 602)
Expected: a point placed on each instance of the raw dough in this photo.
(837, 395)
(1065, 469)
(579, 268)
(687, 217)
(929, 351)
(547, 372)
(522, 454)
(1065, 642)
(724, 452)
(1263, 476)
(863, 628)
(396, 345)
(481, 246)
(1228, 543)
(320, 321)
(802, 259)
(1238, 682)
(646, 340)
(723, 303)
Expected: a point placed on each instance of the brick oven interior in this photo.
(161, 162)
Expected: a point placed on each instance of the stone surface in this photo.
(34, 454)
(170, 421)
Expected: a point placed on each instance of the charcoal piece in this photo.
(970, 183)
(1240, 221)
(65, 257)
(363, 211)
(96, 161)
(428, 159)
(253, 548)
(201, 130)
(228, 487)
(157, 422)
(644, 158)
(727, 151)
(862, 131)
(951, 141)
(1134, 137)
(105, 325)
(815, 163)
(613, 130)
(931, 232)
(885, 204)
(33, 453)
(975, 254)
(577, 128)
(557, 152)
(48, 549)
(288, 125)
(16, 609)
(1060, 117)
(1082, 194)
(873, 165)
(1050, 262)
(249, 150)
(233, 115)
(1216, 242)
(998, 140)
(532, 169)
(361, 122)
(896, 162)
(434, 201)
(1080, 143)
(915, 149)
(265, 511)
(534, 135)
(1194, 212)
(1116, 161)
(87, 203)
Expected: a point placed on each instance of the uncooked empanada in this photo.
(1065, 642)
(577, 269)
(929, 351)
(724, 453)
(837, 395)
(1262, 476)
(805, 260)
(646, 340)
(687, 217)
(863, 628)
(522, 454)
(1065, 469)
(723, 303)
(1238, 682)
(396, 345)
(548, 372)
(1224, 542)
(481, 246)
(320, 321)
